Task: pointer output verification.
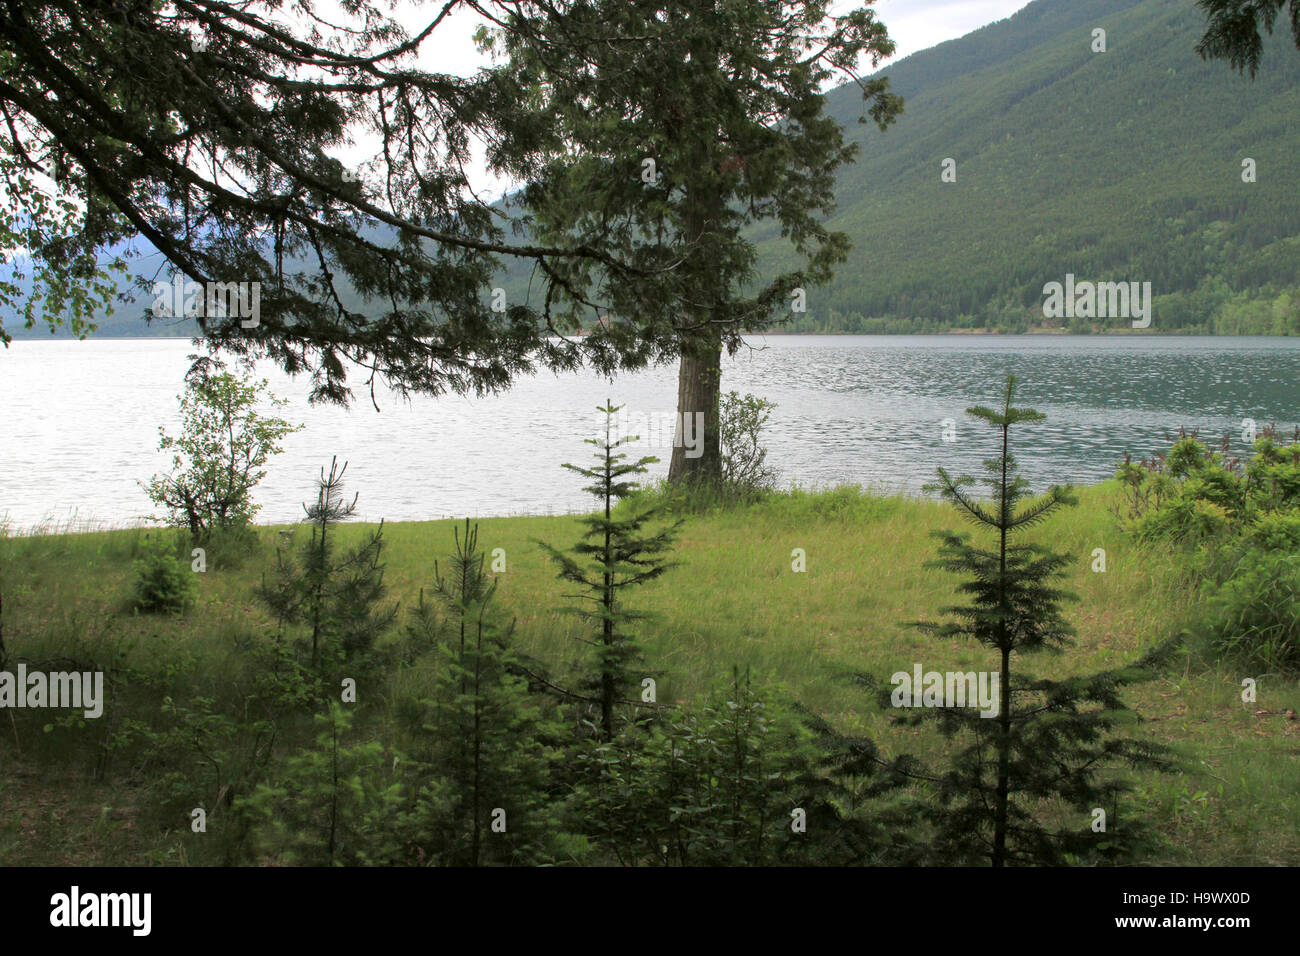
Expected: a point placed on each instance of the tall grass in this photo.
(733, 600)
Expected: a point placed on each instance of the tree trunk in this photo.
(1002, 814)
(1004, 643)
(699, 384)
(699, 376)
(607, 625)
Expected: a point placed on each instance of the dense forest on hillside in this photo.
(1124, 165)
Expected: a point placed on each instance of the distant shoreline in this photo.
(777, 331)
(780, 331)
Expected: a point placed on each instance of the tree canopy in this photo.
(684, 123)
(1234, 30)
(210, 129)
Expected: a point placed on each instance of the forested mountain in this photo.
(1122, 165)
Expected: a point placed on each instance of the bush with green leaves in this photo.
(733, 780)
(190, 754)
(1196, 494)
(221, 453)
(1241, 526)
(336, 803)
(164, 582)
(741, 419)
(1253, 616)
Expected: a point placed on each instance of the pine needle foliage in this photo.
(334, 595)
(1026, 788)
(487, 738)
(617, 552)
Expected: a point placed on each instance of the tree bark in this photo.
(699, 384)
(1004, 643)
(607, 625)
(699, 376)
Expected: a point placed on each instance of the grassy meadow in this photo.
(69, 796)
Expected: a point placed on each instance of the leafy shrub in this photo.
(1254, 616)
(232, 548)
(1276, 531)
(1244, 522)
(1192, 493)
(163, 582)
(1274, 472)
(221, 453)
(744, 460)
(1184, 518)
(188, 754)
(714, 783)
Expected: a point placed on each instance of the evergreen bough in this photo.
(489, 749)
(163, 582)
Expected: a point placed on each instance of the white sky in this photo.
(918, 24)
(913, 24)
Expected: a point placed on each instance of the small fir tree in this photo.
(1051, 741)
(616, 553)
(335, 803)
(337, 597)
(490, 744)
(730, 780)
(163, 581)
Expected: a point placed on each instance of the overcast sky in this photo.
(914, 25)
(918, 24)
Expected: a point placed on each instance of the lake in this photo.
(81, 420)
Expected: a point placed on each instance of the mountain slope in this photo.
(1120, 165)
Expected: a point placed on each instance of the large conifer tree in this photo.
(1234, 30)
(687, 121)
(214, 132)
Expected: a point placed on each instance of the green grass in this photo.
(732, 599)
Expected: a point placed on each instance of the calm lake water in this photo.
(81, 420)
